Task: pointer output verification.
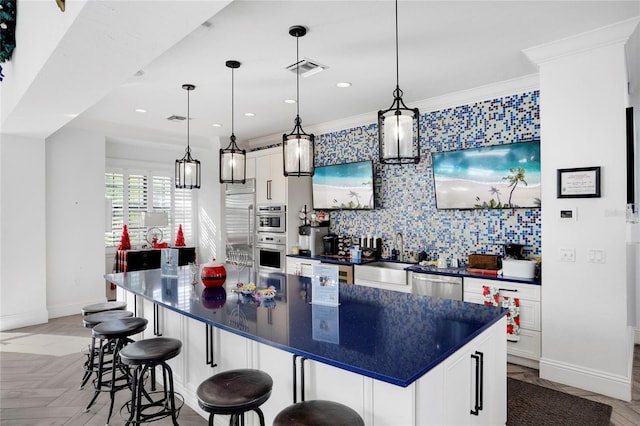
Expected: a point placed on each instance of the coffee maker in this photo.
(310, 239)
(330, 242)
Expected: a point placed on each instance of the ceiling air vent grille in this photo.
(176, 118)
(307, 67)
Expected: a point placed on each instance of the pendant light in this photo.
(188, 169)
(298, 146)
(232, 159)
(399, 126)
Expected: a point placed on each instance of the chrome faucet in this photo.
(395, 246)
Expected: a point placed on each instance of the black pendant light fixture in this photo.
(298, 147)
(232, 159)
(399, 126)
(188, 168)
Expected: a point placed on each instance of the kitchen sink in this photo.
(382, 274)
(390, 265)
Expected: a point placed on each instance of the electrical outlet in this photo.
(567, 255)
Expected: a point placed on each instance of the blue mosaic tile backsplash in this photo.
(405, 194)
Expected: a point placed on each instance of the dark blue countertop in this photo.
(391, 336)
(430, 269)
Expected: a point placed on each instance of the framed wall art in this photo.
(581, 182)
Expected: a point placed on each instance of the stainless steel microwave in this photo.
(271, 218)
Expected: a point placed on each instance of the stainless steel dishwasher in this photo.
(435, 285)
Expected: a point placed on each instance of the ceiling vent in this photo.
(307, 67)
(176, 118)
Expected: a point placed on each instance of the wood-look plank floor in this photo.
(40, 370)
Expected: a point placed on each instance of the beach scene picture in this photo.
(495, 177)
(343, 186)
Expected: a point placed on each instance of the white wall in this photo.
(75, 220)
(23, 280)
(586, 341)
(210, 199)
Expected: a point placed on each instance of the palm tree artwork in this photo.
(516, 175)
(502, 176)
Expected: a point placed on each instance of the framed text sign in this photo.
(582, 182)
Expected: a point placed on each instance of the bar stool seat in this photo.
(318, 413)
(103, 306)
(144, 355)
(235, 392)
(91, 321)
(112, 375)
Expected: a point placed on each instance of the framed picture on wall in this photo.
(581, 182)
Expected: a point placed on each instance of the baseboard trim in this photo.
(584, 378)
(24, 319)
(525, 362)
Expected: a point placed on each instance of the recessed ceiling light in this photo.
(141, 110)
(216, 125)
(343, 84)
(289, 101)
(249, 114)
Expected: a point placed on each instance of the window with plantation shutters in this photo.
(133, 194)
(114, 190)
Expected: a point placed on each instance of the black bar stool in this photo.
(90, 321)
(112, 375)
(318, 413)
(235, 392)
(144, 355)
(103, 306)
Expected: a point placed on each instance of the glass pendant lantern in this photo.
(298, 146)
(233, 159)
(399, 126)
(187, 173)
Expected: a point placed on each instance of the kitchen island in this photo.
(395, 358)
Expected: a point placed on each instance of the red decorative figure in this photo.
(125, 243)
(180, 238)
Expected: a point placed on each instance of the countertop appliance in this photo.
(513, 251)
(330, 243)
(316, 235)
(271, 218)
(271, 252)
(239, 216)
(304, 237)
(434, 285)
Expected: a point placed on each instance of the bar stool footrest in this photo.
(159, 405)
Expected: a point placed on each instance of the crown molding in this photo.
(617, 33)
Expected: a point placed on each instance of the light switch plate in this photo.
(567, 255)
(595, 255)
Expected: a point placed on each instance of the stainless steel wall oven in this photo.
(271, 252)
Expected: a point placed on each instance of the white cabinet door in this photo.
(475, 381)
(250, 167)
(529, 344)
(278, 181)
(270, 180)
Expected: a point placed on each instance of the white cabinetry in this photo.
(270, 180)
(445, 395)
(527, 350)
(299, 266)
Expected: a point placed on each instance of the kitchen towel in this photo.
(492, 297)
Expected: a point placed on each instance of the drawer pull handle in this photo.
(515, 290)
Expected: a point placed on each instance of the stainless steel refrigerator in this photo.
(239, 217)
